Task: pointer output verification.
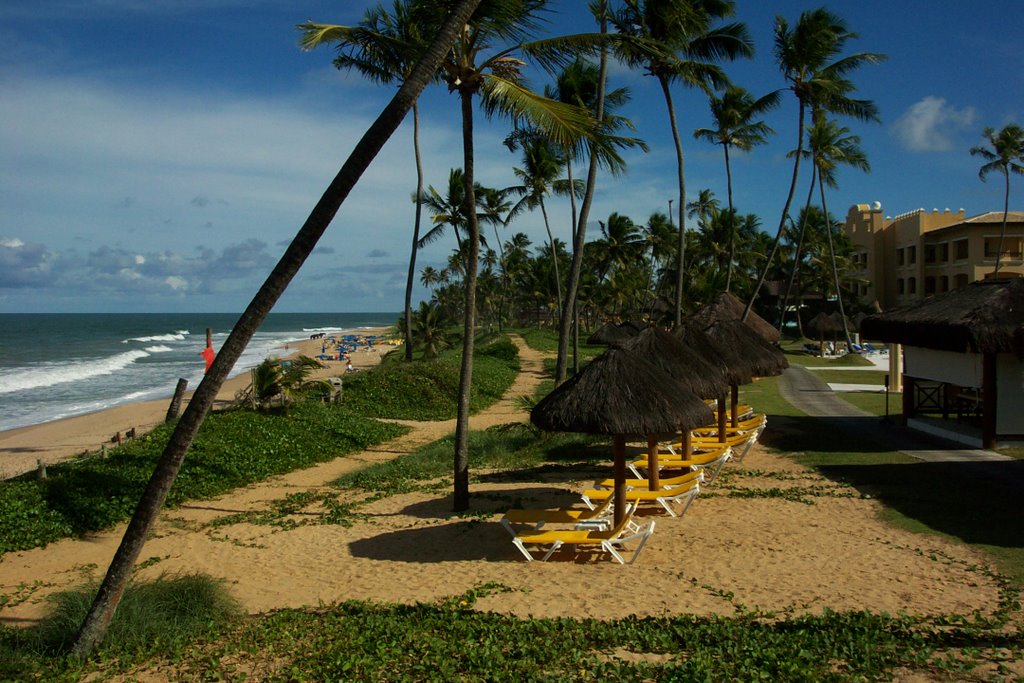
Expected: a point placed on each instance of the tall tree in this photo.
(94, 627)
(735, 117)
(383, 47)
(1005, 155)
(831, 145)
(678, 41)
(808, 54)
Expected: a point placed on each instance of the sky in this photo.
(159, 155)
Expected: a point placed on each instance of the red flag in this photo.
(207, 355)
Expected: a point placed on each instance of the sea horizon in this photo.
(59, 365)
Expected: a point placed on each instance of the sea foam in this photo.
(49, 374)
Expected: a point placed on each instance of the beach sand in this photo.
(21, 449)
(726, 555)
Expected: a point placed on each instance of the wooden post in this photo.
(722, 419)
(735, 391)
(653, 475)
(687, 444)
(988, 400)
(175, 408)
(619, 473)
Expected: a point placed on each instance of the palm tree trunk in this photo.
(732, 219)
(681, 260)
(832, 257)
(580, 234)
(460, 492)
(504, 279)
(96, 622)
(1002, 231)
(785, 213)
(799, 249)
(415, 230)
(554, 258)
(567, 303)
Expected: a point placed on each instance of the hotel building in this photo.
(899, 260)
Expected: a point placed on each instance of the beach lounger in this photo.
(610, 541)
(709, 443)
(643, 484)
(709, 464)
(538, 517)
(742, 427)
(871, 348)
(666, 498)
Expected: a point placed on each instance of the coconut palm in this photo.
(446, 210)
(704, 205)
(384, 48)
(1005, 155)
(678, 41)
(809, 56)
(734, 115)
(428, 328)
(94, 627)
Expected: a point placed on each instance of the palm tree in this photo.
(95, 624)
(808, 54)
(704, 205)
(494, 209)
(734, 116)
(478, 65)
(1005, 154)
(384, 48)
(448, 209)
(832, 145)
(428, 325)
(675, 40)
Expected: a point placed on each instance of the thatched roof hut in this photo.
(619, 393)
(633, 327)
(983, 317)
(823, 325)
(763, 359)
(693, 336)
(725, 306)
(683, 363)
(609, 333)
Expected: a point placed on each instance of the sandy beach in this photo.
(21, 449)
(792, 555)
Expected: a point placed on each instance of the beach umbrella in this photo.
(737, 368)
(609, 333)
(823, 325)
(633, 327)
(725, 306)
(620, 394)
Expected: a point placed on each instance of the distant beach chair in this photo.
(857, 348)
(708, 465)
(872, 349)
(599, 517)
(643, 484)
(611, 541)
(681, 495)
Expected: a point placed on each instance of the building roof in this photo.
(983, 317)
(995, 217)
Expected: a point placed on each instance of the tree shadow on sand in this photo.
(456, 541)
(493, 501)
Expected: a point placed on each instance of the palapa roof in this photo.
(633, 327)
(609, 333)
(686, 365)
(736, 368)
(620, 393)
(763, 359)
(725, 306)
(984, 317)
(824, 324)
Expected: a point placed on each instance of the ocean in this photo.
(56, 365)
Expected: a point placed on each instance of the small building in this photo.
(963, 359)
(902, 259)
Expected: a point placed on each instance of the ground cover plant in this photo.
(427, 389)
(233, 448)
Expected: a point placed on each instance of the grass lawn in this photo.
(851, 376)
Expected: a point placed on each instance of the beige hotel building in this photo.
(901, 259)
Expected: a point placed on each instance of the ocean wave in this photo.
(62, 373)
(159, 348)
(175, 336)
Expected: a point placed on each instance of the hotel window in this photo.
(911, 285)
(899, 286)
(943, 252)
(929, 285)
(899, 256)
(1011, 247)
(929, 253)
(960, 280)
(911, 255)
(864, 260)
(961, 249)
(944, 283)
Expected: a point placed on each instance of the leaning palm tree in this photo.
(384, 48)
(483, 62)
(94, 627)
(831, 145)
(677, 41)
(734, 115)
(808, 54)
(1005, 155)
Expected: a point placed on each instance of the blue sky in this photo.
(159, 155)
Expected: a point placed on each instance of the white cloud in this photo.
(11, 242)
(931, 124)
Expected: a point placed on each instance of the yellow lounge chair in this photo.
(537, 517)
(643, 484)
(681, 495)
(610, 541)
(744, 426)
(708, 463)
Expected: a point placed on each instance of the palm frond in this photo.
(564, 124)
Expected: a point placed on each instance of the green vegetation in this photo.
(427, 389)
(874, 402)
(851, 377)
(233, 448)
(796, 356)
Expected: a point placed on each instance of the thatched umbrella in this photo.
(760, 358)
(609, 333)
(619, 393)
(633, 327)
(725, 306)
(823, 325)
(736, 371)
(703, 374)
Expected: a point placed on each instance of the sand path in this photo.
(768, 534)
